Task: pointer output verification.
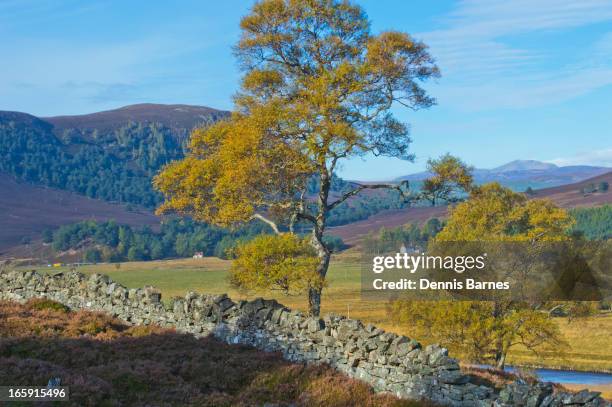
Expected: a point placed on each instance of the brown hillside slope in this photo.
(354, 232)
(26, 210)
(567, 196)
(570, 196)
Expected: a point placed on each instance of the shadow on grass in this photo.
(106, 363)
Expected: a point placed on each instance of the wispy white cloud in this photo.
(527, 92)
(482, 70)
(495, 18)
(602, 157)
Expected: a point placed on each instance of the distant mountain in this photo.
(524, 165)
(176, 117)
(110, 155)
(520, 174)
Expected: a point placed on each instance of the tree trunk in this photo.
(314, 293)
(500, 359)
(314, 301)
(500, 353)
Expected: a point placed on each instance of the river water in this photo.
(567, 376)
(571, 376)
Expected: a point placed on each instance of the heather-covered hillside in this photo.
(121, 365)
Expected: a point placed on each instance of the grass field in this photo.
(590, 347)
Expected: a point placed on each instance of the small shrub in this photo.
(284, 262)
(93, 323)
(93, 328)
(41, 304)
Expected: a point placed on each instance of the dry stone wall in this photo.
(389, 362)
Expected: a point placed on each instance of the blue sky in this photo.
(521, 79)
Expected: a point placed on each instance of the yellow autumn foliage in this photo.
(484, 331)
(449, 176)
(235, 168)
(495, 213)
(283, 262)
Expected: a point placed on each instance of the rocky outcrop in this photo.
(389, 362)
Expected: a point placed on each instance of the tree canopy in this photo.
(496, 213)
(283, 262)
(450, 176)
(486, 330)
(318, 87)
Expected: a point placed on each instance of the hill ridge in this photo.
(171, 115)
(520, 174)
(524, 165)
(22, 118)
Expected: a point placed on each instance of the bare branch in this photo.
(369, 186)
(268, 221)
